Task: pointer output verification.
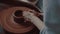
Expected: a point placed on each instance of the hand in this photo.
(28, 15)
(34, 19)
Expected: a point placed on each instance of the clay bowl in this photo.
(12, 19)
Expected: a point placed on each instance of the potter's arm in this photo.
(34, 19)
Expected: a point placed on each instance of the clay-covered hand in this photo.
(28, 15)
(34, 19)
